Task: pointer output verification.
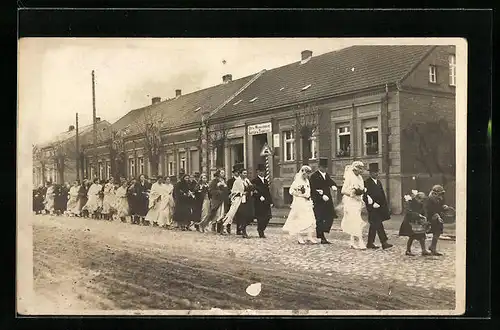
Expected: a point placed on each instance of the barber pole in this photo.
(266, 152)
(267, 169)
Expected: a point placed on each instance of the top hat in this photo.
(261, 167)
(323, 162)
(373, 167)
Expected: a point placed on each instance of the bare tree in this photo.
(150, 126)
(64, 154)
(39, 157)
(217, 139)
(306, 124)
(433, 142)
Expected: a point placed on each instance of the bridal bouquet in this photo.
(359, 191)
(301, 189)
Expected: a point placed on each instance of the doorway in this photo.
(258, 143)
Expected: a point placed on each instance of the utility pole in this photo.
(77, 151)
(94, 120)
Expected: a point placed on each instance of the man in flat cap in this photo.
(378, 210)
(324, 211)
(263, 200)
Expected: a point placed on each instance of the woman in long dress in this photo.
(184, 198)
(159, 197)
(245, 213)
(49, 198)
(93, 201)
(109, 199)
(352, 199)
(72, 205)
(141, 201)
(82, 199)
(217, 192)
(121, 206)
(168, 213)
(301, 220)
(202, 200)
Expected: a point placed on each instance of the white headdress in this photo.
(298, 176)
(348, 173)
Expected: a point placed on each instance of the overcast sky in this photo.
(129, 72)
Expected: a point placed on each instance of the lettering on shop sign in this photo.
(259, 129)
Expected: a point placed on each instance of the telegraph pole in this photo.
(94, 120)
(77, 150)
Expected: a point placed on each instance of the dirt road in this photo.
(86, 264)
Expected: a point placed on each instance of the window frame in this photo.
(286, 141)
(313, 140)
(433, 74)
(337, 139)
(141, 167)
(366, 130)
(131, 167)
(452, 66)
(108, 169)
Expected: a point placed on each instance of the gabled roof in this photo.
(183, 110)
(346, 70)
(82, 133)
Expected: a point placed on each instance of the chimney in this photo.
(227, 78)
(71, 127)
(306, 55)
(178, 92)
(155, 100)
(97, 119)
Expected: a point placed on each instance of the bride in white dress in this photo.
(301, 220)
(352, 199)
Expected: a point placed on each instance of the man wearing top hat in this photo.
(378, 210)
(324, 212)
(263, 200)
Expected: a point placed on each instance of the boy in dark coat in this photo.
(324, 211)
(435, 208)
(415, 223)
(378, 210)
(262, 200)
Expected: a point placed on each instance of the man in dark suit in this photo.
(378, 210)
(324, 212)
(263, 200)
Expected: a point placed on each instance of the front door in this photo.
(259, 141)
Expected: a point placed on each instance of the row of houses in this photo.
(391, 105)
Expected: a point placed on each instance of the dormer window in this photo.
(306, 87)
(253, 100)
(432, 74)
(238, 102)
(282, 88)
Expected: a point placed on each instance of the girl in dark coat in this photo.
(184, 198)
(415, 223)
(82, 198)
(59, 199)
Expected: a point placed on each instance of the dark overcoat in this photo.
(324, 212)
(141, 200)
(434, 211)
(183, 213)
(413, 225)
(376, 192)
(262, 208)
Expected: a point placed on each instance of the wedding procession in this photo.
(196, 202)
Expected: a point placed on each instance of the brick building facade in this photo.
(393, 105)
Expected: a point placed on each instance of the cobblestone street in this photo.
(417, 282)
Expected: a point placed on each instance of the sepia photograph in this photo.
(241, 176)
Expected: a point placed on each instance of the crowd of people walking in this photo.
(199, 203)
